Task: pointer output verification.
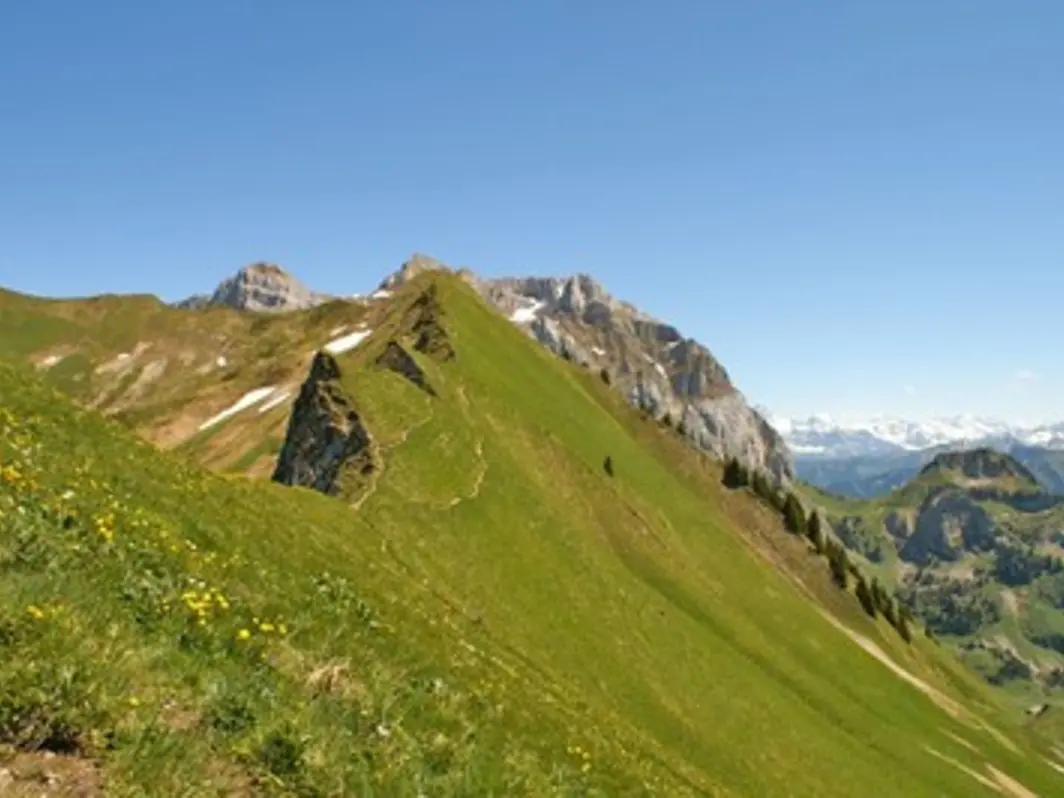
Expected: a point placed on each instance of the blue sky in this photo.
(859, 207)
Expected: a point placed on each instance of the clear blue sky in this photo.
(842, 199)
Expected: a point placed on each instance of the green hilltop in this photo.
(974, 547)
(471, 602)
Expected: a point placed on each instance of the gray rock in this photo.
(327, 446)
(261, 287)
(948, 522)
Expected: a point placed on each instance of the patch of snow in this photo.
(249, 399)
(382, 294)
(347, 342)
(596, 351)
(274, 401)
(123, 356)
(337, 330)
(221, 362)
(660, 369)
(527, 314)
(51, 360)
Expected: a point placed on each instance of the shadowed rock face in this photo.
(396, 358)
(327, 446)
(948, 524)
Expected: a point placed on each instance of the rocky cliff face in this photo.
(262, 287)
(947, 526)
(650, 362)
(327, 446)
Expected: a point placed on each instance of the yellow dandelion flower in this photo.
(243, 634)
(35, 612)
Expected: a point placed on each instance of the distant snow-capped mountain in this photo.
(823, 436)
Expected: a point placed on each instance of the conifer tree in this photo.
(815, 531)
(840, 566)
(794, 515)
(903, 629)
(864, 595)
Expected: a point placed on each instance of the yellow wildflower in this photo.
(35, 612)
(243, 634)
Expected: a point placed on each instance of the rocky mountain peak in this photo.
(259, 287)
(418, 263)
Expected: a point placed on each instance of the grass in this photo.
(499, 617)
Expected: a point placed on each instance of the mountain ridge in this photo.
(669, 377)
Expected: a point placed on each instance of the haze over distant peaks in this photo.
(822, 435)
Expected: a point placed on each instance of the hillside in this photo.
(876, 475)
(484, 610)
(975, 547)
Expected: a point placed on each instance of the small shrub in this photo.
(282, 752)
(735, 476)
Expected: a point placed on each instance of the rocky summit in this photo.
(672, 378)
(262, 287)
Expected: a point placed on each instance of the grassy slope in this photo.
(554, 630)
(156, 368)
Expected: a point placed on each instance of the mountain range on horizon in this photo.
(823, 435)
